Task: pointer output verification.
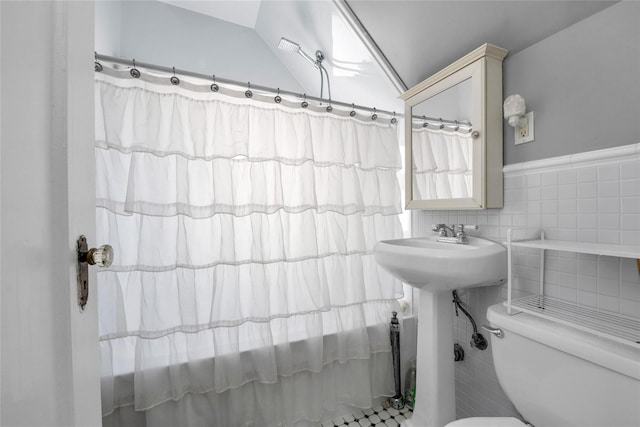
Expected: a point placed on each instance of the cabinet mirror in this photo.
(454, 138)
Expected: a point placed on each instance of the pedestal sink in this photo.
(436, 268)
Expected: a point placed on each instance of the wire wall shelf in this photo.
(609, 325)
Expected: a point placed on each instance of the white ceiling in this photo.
(241, 12)
(418, 37)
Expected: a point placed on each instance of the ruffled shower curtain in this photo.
(442, 164)
(244, 290)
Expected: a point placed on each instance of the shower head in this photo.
(288, 46)
(291, 47)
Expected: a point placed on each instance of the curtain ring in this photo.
(393, 119)
(329, 107)
(277, 99)
(425, 124)
(135, 73)
(441, 123)
(174, 80)
(248, 92)
(97, 67)
(457, 128)
(214, 86)
(352, 113)
(305, 104)
(374, 116)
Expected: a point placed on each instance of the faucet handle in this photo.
(461, 227)
(436, 227)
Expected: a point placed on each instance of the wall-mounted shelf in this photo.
(609, 325)
(622, 251)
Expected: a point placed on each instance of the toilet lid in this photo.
(487, 422)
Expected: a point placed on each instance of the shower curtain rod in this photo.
(330, 102)
(171, 70)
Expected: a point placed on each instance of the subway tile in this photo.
(519, 220)
(609, 287)
(609, 172)
(567, 255)
(549, 221)
(587, 190)
(587, 221)
(549, 179)
(533, 220)
(568, 280)
(568, 234)
(611, 237)
(589, 235)
(588, 299)
(533, 193)
(588, 284)
(514, 181)
(609, 205)
(588, 206)
(567, 265)
(629, 222)
(630, 308)
(608, 303)
(630, 187)
(588, 174)
(629, 271)
(609, 269)
(587, 268)
(512, 195)
(609, 221)
(567, 176)
(552, 291)
(630, 169)
(549, 193)
(549, 206)
(630, 205)
(609, 189)
(630, 291)
(567, 294)
(588, 258)
(533, 180)
(567, 191)
(630, 238)
(567, 206)
(567, 220)
(533, 206)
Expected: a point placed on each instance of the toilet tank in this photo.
(558, 376)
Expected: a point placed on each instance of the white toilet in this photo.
(558, 376)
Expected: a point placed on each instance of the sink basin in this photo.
(435, 266)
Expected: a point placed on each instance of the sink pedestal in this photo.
(435, 269)
(435, 388)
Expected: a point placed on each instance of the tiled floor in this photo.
(376, 417)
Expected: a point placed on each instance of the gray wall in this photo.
(158, 33)
(583, 84)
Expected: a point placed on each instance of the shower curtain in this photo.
(442, 164)
(244, 289)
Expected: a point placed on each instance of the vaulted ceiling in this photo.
(420, 38)
(417, 37)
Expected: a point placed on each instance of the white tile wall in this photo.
(597, 201)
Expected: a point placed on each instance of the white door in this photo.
(49, 353)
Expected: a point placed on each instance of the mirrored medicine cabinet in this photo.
(454, 140)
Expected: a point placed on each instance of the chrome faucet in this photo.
(458, 236)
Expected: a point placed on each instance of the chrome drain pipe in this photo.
(397, 402)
